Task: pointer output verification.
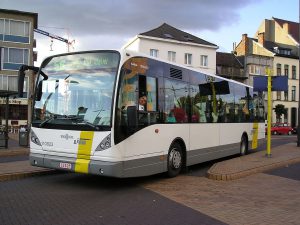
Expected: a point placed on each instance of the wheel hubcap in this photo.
(243, 147)
(175, 158)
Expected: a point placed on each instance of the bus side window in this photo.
(176, 101)
(147, 101)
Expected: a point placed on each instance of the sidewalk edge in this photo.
(20, 175)
(233, 176)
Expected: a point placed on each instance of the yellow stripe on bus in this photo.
(84, 152)
(254, 135)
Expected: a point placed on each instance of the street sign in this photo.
(279, 83)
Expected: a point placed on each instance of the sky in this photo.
(109, 24)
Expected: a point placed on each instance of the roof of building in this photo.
(35, 15)
(293, 27)
(272, 46)
(228, 59)
(165, 31)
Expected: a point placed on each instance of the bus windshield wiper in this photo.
(54, 117)
(81, 121)
(48, 120)
(84, 122)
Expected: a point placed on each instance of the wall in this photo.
(144, 45)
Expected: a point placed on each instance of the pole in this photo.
(268, 154)
(298, 128)
(6, 121)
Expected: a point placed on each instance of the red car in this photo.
(281, 128)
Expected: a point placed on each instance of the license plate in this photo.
(64, 165)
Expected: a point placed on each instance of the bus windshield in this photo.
(78, 92)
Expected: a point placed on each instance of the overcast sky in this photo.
(103, 24)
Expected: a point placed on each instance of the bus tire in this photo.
(175, 160)
(244, 145)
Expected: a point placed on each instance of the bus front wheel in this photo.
(175, 160)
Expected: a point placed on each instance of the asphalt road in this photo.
(67, 198)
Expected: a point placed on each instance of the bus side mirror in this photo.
(38, 92)
(131, 118)
(21, 77)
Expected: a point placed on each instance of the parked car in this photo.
(281, 128)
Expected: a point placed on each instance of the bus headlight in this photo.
(34, 138)
(105, 143)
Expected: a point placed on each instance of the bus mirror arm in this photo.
(21, 77)
(131, 119)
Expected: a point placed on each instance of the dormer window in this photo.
(282, 51)
(168, 36)
(187, 38)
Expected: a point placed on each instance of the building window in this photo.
(294, 72)
(188, 59)
(278, 69)
(286, 70)
(14, 30)
(254, 69)
(172, 56)
(293, 93)
(1, 27)
(11, 83)
(278, 95)
(14, 58)
(286, 95)
(204, 60)
(154, 53)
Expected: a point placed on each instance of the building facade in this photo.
(231, 66)
(275, 46)
(16, 48)
(171, 44)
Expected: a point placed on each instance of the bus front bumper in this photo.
(97, 167)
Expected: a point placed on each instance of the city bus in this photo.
(86, 119)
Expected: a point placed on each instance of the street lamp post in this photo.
(298, 128)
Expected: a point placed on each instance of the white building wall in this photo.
(144, 45)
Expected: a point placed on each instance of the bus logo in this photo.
(66, 136)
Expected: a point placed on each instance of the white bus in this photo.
(86, 117)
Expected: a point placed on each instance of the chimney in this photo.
(244, 37)
(245, 43)
(261, 38)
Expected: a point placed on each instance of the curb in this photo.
(241, 174)
(16, 176)
(16, 152)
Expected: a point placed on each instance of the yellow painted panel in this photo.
(84, 151)
(254, 135)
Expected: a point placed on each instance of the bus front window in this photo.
(78, 92)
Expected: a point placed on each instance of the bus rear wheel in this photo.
(175, 160)
(244, 145)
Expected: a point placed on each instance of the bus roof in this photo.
(128, 53)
